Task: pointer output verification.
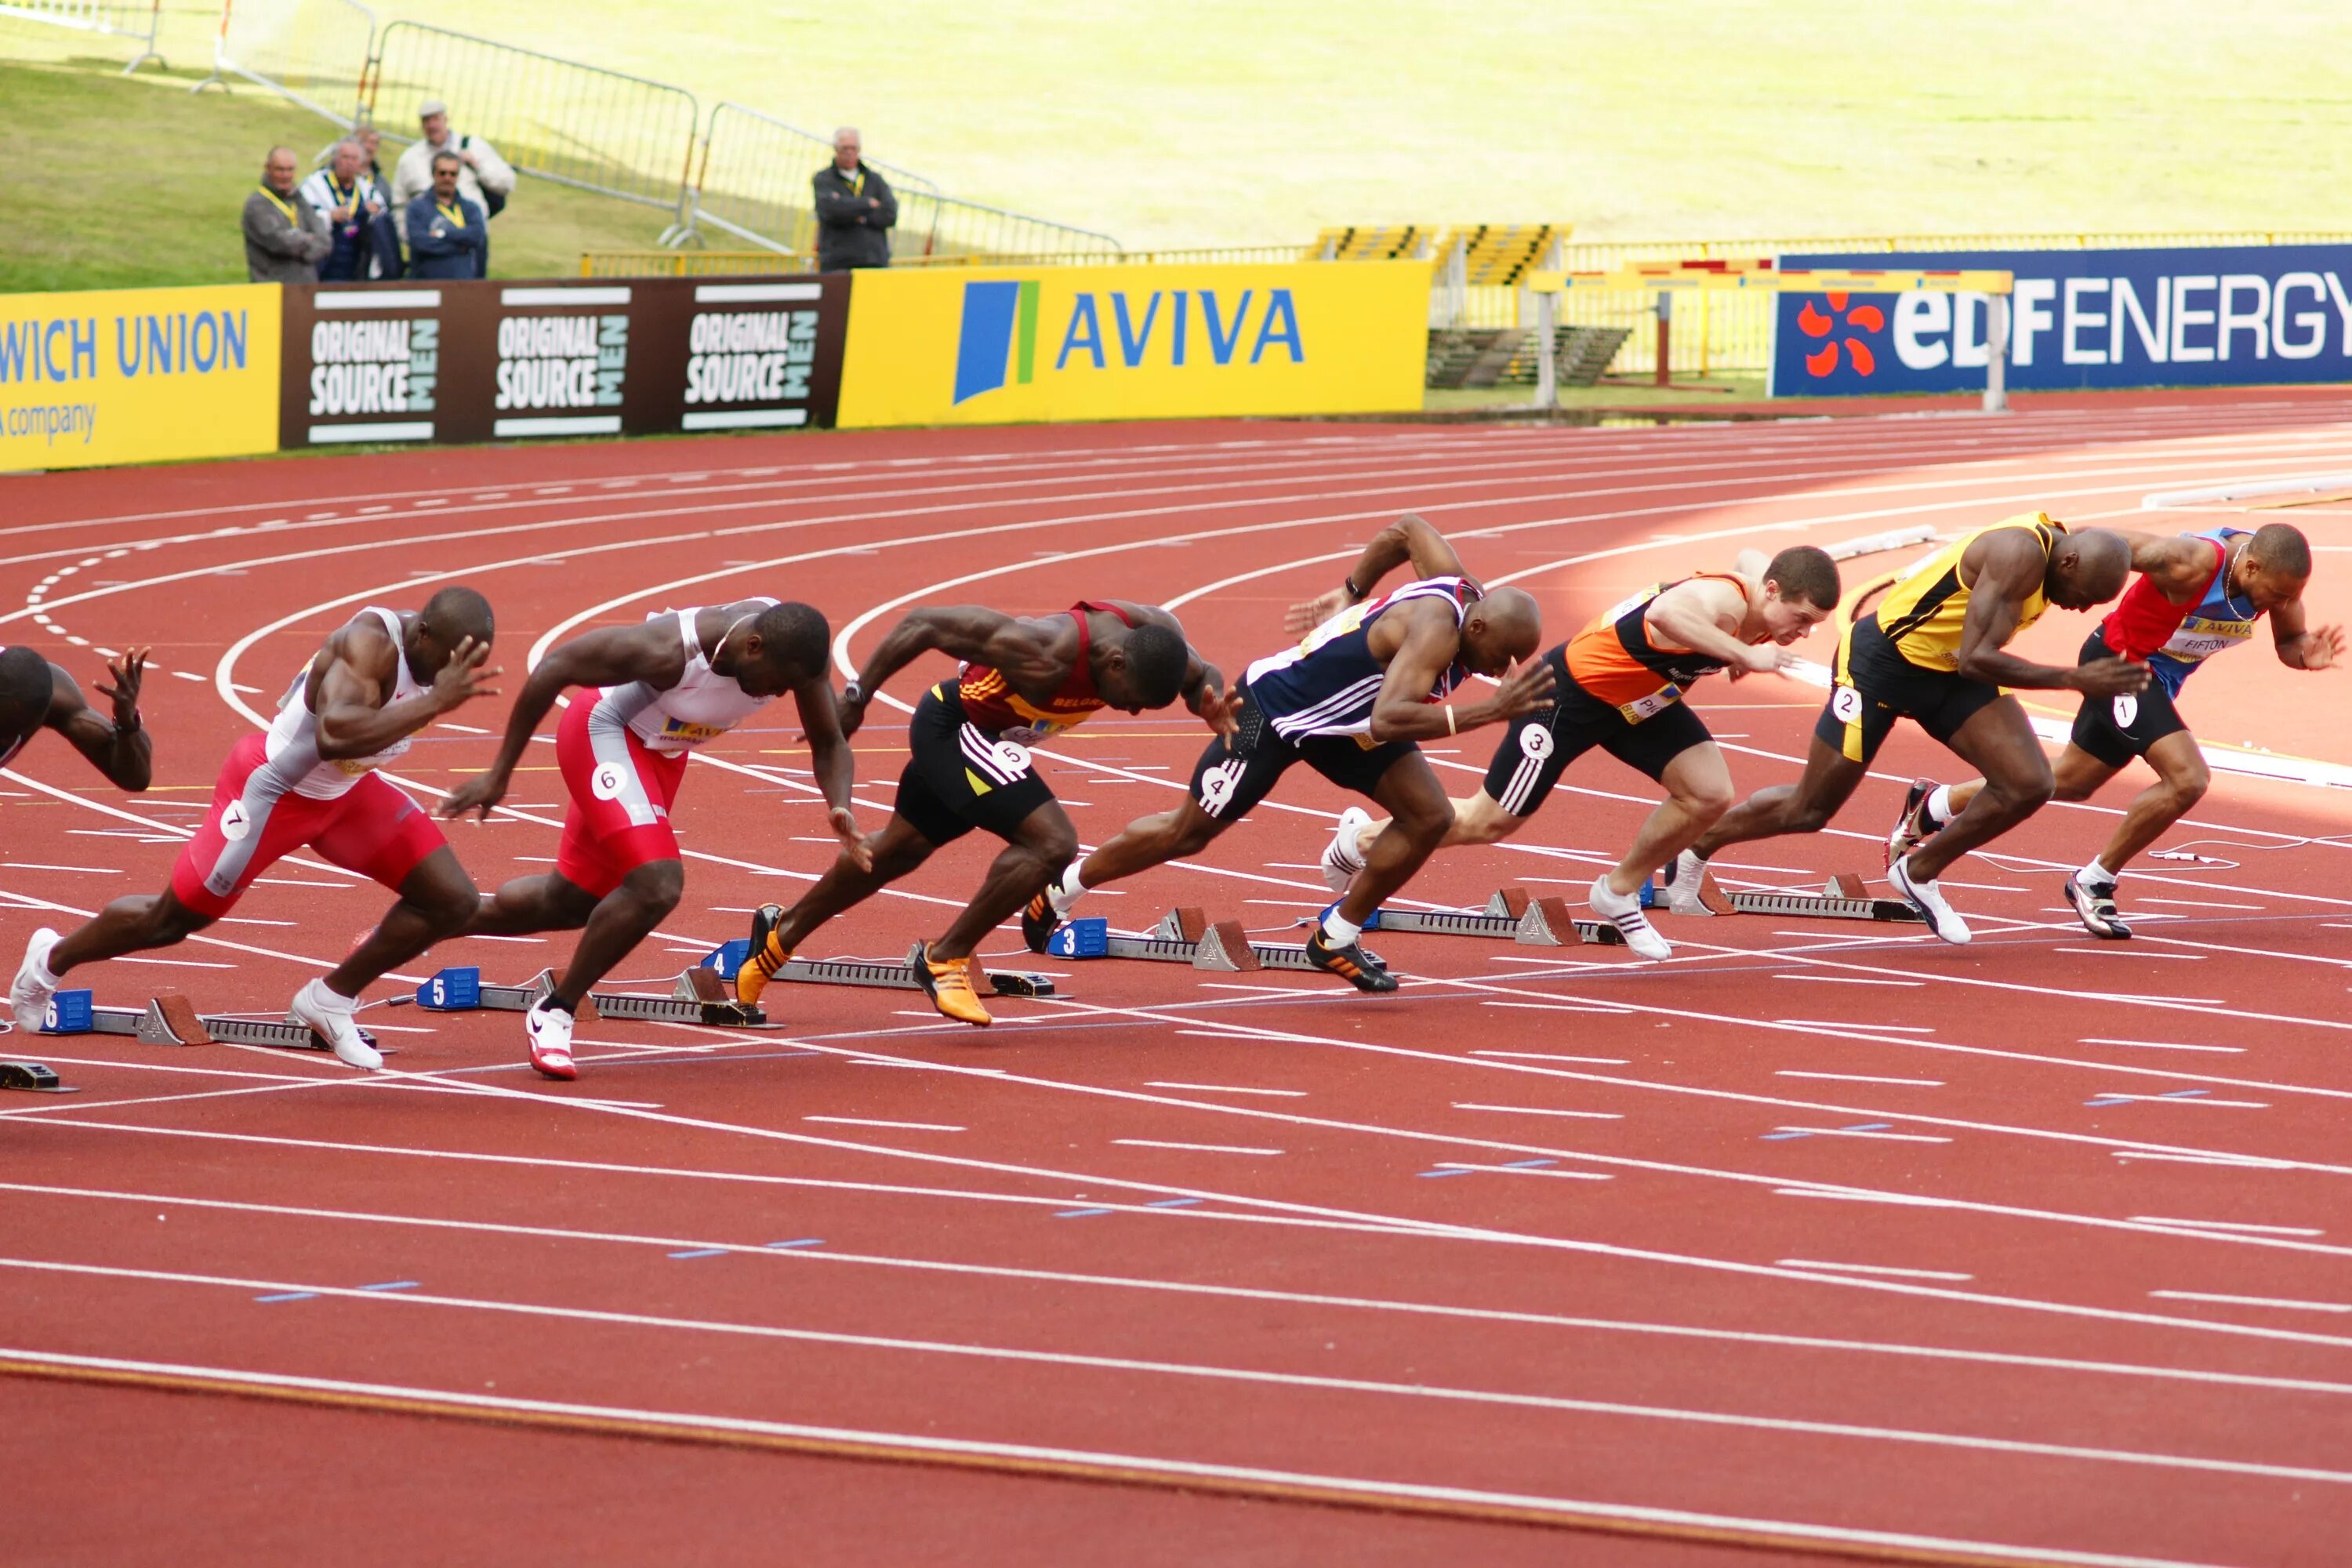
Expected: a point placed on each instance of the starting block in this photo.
(697, 996)
(1843, 897)
(880, 973)
(173, 1020)
(1184, 935)
(1511, 914)
(37, 1078)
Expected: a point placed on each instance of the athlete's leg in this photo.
(1419, 817)
(2181, 781)
(1699, 794)
(2076, 775)
(1806, 806)
(1998, 739)
(1041, 846)
(436, 900)
(897, 850)
(623, 918)
(127, 925)
(1149, 841)
(550, 901)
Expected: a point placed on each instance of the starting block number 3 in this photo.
(452, 991)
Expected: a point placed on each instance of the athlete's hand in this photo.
(131, 666)
(1524, 689)
(1765, 658)
(858, 845)
(2109, 678)
(480, 793)
(2322, 647)
(1221, 711)
(461, 678)
(1302, 618)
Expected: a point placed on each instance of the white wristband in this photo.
(1449, 720)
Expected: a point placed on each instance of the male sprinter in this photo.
(967, 768)
(2197, 594)
(1621, 684)
(1372, 677)
(670, 684)
(1932, 653)
(310, 782)
(35, 695)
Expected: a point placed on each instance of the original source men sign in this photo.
(490, 361)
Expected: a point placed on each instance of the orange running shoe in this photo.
(948, 982)
(768, 954)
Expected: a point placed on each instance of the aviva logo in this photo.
(1165, 329)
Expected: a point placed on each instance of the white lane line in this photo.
(2240, 1162)
(1229, 1089)
(2230, 1225)
(1870, 1268)
(87, 871)
(1847, 980)
(2279, 1302)
(1794, 1534)
(1543, 1111)
(1522, 1171)
(1875, 1028)
(1601, 1007)
(1861, 1077)
(171, 963)
(2117, 951)
(897, 1126)
(1553, 1057)
(1193, 1148)
(2159, 1045)
(2115, 1097)
(1855, 1132)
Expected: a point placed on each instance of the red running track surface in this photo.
(1820, 1236)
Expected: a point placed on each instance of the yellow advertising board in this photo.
(138, 375)
(1008, 345)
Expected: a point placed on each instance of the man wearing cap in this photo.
(483, 177)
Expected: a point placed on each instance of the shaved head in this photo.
(2282, 548)
(455, 614)
(2087, 568)
(25, 691)
(1501, 630)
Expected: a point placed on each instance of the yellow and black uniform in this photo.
(1620, 688)
(1902, 660)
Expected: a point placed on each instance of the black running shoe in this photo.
(2095, 906)
(1350, 963)
(1038, 923)
(1911, 828)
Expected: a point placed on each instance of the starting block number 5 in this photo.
(454, 990)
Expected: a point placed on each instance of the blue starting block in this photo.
(456, 990)
(1081, 939)
(70, 1012)
(728, 957)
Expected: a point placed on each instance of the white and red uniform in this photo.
(622, 757)
(276, 795)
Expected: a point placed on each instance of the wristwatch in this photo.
(1355, 594)
(854, 694)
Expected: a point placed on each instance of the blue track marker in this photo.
(702, 1252)
(1170, 1203)
(290, 1295)
(1079, 1213)
(391, 1285)
(804, 1241)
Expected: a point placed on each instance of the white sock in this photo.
(1066, 893)
(1340, 933)
(2095, 874)
(325, 996)
(1940, 806)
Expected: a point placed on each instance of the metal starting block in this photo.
(1511, 914)
(1184, 935)
(879, 973)
(37, 1078)
(697, 996)
(1843, 897)
(173, 1020)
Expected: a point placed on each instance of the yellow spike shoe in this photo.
(768, 955)
(948, 982)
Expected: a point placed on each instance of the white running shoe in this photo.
(1341, 858)
(550, 1031)
(331, 1018)
(1624, 911)
(1682, 885)
(2094, 905)
(1929, 899)
(29, 996)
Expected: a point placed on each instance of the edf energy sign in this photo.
(2205, 316)
(993, 346)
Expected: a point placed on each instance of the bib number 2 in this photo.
(1845, 705)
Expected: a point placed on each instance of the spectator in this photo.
(285, 236)
(483, 177)
(449, 237)
(366, 244)
(854, 209)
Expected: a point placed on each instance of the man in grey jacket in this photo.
(285, 236)
(854, 209)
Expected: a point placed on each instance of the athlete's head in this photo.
(2087, 568)
(1501, 630)
(24, 682)
(2275, 566)
(784, 644)
(1800, 589)
(449, 617)
(1142, 669)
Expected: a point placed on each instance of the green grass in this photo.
(121, 182)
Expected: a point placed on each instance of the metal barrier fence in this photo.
(752, 177)
(137, 20)
(311, 52)
(663, 263)
(576, 124)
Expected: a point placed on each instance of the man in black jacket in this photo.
(854, 210)
(449, 237)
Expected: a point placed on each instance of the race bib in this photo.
(608, 780)
(1217, 785)
(2198, 639)
(1845, 705)
(236, 822)
(2127, 711)
(1657, 702)
(1535, 740)
(1009, 757)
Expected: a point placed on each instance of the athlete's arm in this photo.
(1409, 538)
(362, 664)
(2302, 648)
(1204, 690)
(611, 656)
(1022, 649)
(1703, 614)
(1751, 563)
(2009, 571)
(1403, 711)
(2179, 564)
(117, 747)
(829, 759)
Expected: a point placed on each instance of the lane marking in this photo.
(1862, 1078)
(1193, 1148)
(903, 1126)
(1543, 1111)
(2252, 1302)
(1873, 1268)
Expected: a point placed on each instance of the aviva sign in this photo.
(991, 346)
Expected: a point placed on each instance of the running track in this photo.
(1823, 1238)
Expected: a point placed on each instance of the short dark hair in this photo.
(441, 158)
(26, 688)
(458, 612)
(2281, 547)
(796, 635)
(1806, 572)
(1156, 659)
